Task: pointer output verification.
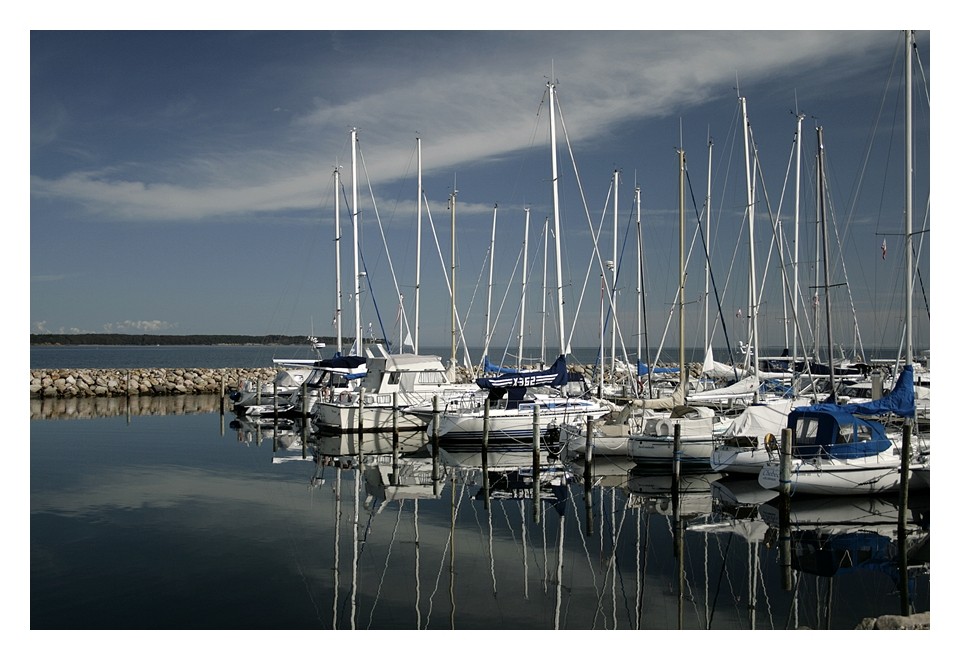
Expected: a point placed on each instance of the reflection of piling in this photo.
(785, 540)
(484, 448)
(678, 532)
(902, 518)
(676, 450)
(360, 424)
(396, 419)
(536, 462)
(588, 477)
(435, 444)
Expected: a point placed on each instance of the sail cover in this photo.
(900, 401)
(555, 376)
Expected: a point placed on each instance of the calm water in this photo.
(171, 516)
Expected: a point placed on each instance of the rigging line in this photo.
(780, 252)
(723, 566)
(386, 565)
(840, 257)
(713, 283)
(446, 278)
(383, 237)
(503, 302)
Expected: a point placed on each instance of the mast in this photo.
(543, 311)
(493, 238)
(338, 320)
(682, 242)
(556, 215)
(908, 197)
(356, 245)
(796, 240)
(416, 300)
(453, 278)
(826, 255)
(613, 274)
(523, 284)
(706, 266)
(755, 341)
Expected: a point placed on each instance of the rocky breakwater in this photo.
(68, 383)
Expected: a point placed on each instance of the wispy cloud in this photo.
(471, 110)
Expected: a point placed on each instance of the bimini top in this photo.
(840, 434)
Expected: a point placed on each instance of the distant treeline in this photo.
(170, 340)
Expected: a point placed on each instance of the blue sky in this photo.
(181, 182)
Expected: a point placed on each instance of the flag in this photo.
(883, 249)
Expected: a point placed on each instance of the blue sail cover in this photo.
(555, 376)
(900, 401)
(492, 368)
(643, 370)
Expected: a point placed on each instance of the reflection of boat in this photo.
(656, 490)
(354, 444)
(406, 478)
(833, 536)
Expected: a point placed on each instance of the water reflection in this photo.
(135, 406)
(387, 531)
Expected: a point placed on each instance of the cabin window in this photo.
(432, 377)
(806, 433)
(845, 433)
(394, 378)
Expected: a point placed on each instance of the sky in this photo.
(182, 182)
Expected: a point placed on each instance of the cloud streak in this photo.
(472, 109)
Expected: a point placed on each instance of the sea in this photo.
(171, 513)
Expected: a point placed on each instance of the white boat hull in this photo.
(836, 477)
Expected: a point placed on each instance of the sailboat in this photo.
(516, 400)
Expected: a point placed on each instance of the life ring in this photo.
(770, 443)
(664, 427)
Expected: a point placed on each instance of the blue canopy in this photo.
(825, 428)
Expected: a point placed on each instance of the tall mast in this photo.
(523, 283)
(706, 267)
(453, 277)
(796, 240)
(908, 196)
(493, 238)
(826, 254)
(754, 344)
(339, 317)
(682, 313)
(543, 311)
(416, 299)
(613, 272)
(356, 245)
(556, 215)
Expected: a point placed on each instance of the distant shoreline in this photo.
(93, 339)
